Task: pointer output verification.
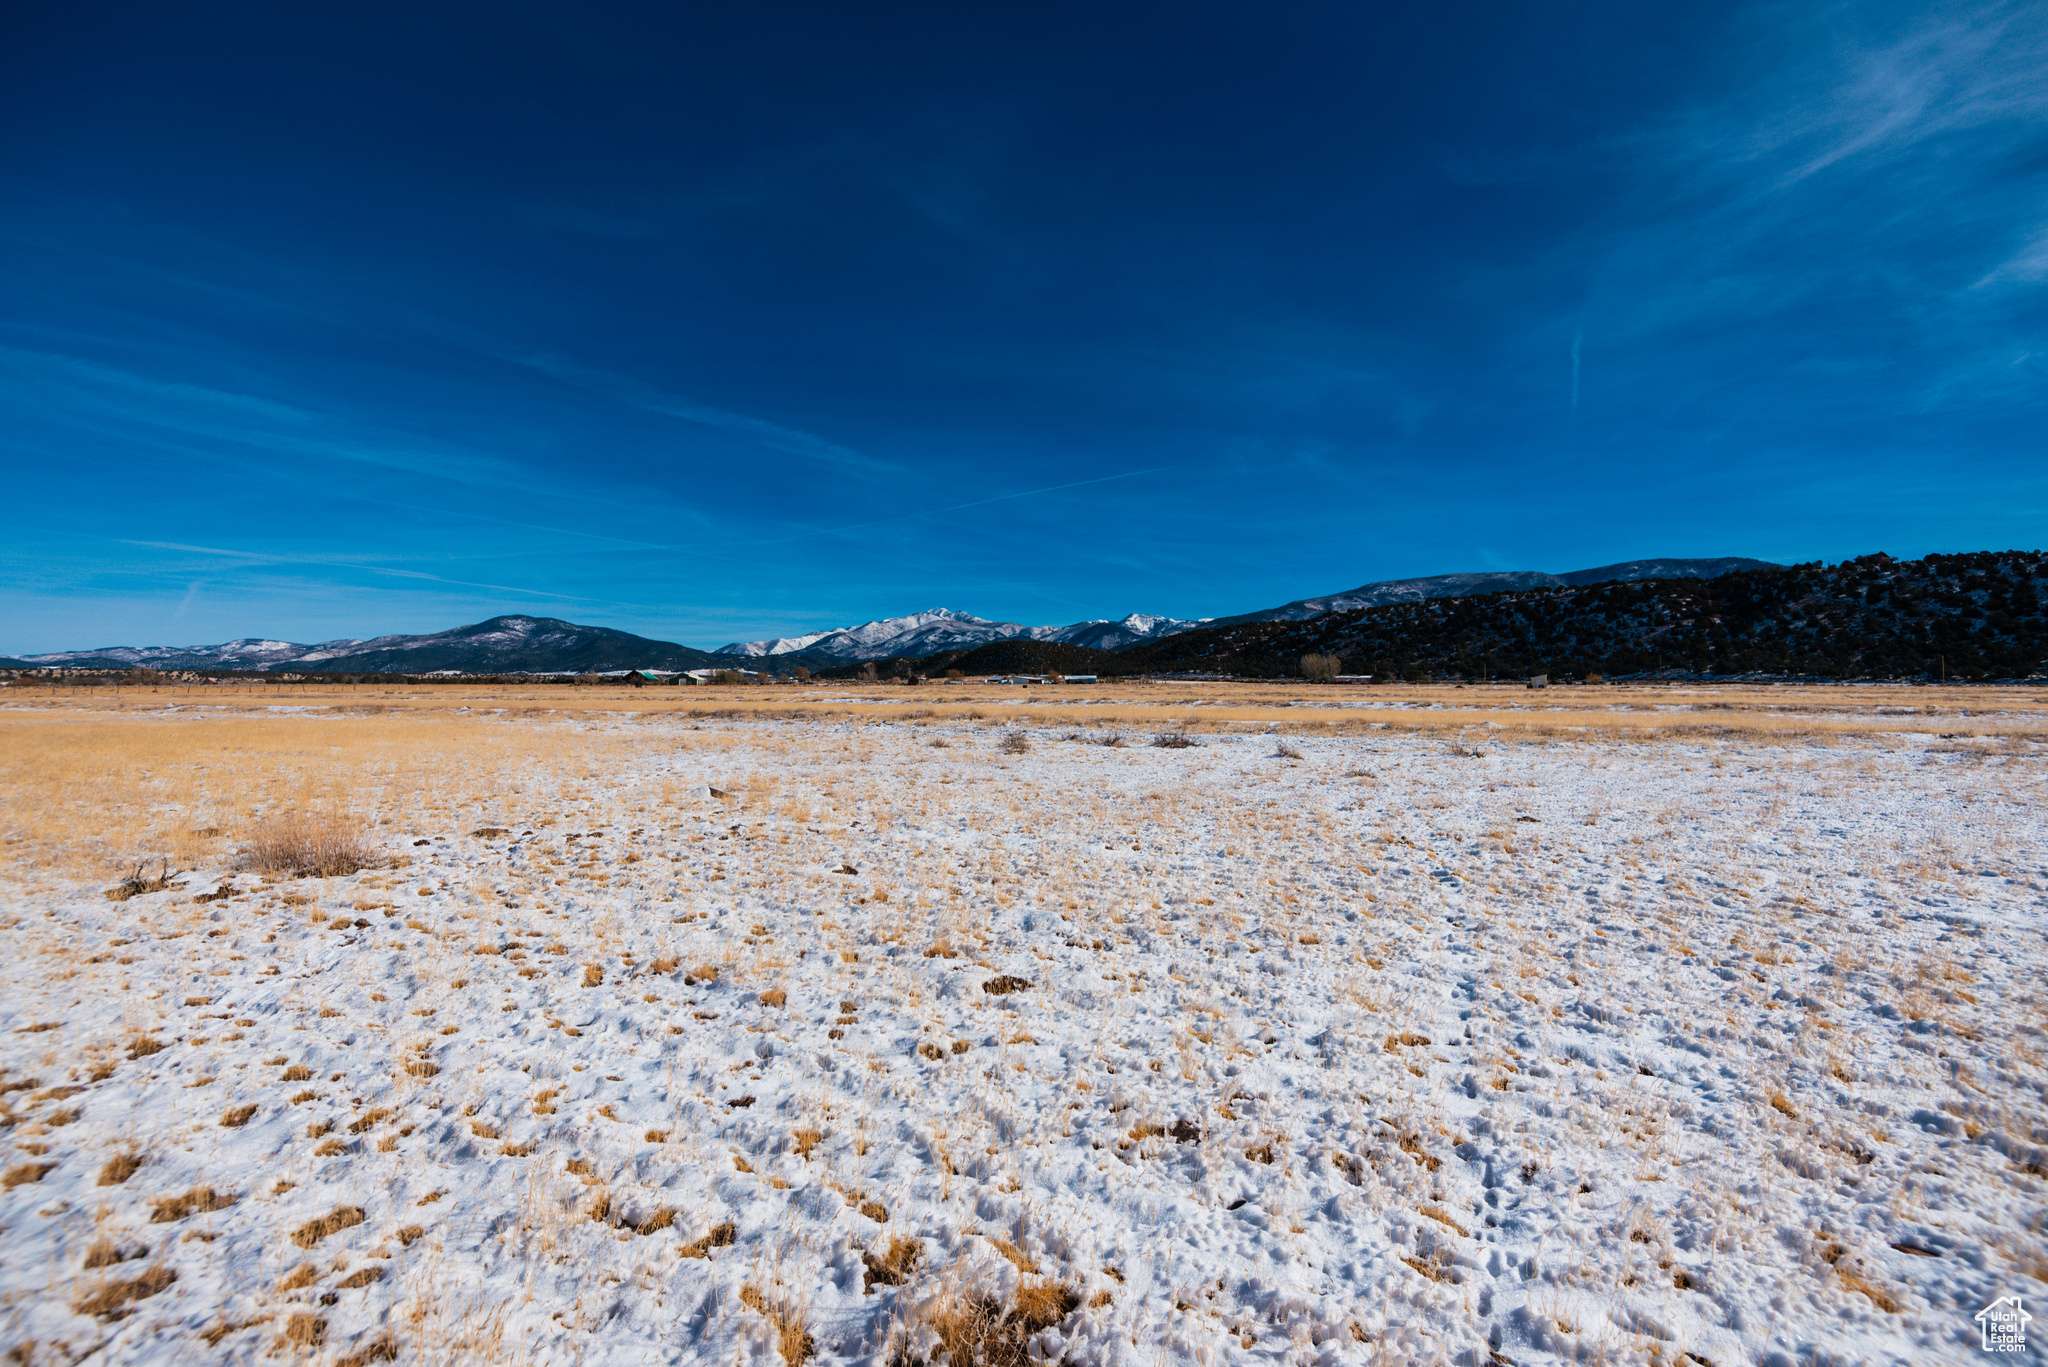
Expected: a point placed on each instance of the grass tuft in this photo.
(197, 1201)
(978, 1328)
(307, 845)
(137, 883)
(111, 1300)
(333, 1222)
(720, 1236)
(893, 1265)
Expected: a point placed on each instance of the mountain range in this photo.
(1977, 616)
(1982, 615)
(941, 629)
(500, 645)
(527, 644)
(1389, 591)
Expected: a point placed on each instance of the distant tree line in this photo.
(1961, 617)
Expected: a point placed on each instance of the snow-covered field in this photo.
(862, 1039)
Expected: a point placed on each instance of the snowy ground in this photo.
(1406, 1049)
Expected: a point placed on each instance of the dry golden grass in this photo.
(213, 1335)
(197, 1201)
(792, 1340)
(1435, 1268)
(333, 1222)
(787, 796)
(976, 1327)
(1016, 1256)
(720, 1236)
(382, 1348)
(1442, 1217)
(893, 1265)
(141, 881)
(302, 1333)
(308, 845)
(104, 1252)
(87, 788)
(94, 780)
(1863, 1286)
(111, 1300)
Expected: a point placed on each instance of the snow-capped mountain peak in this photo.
(937, 629)
(778, 645)
(916, 633)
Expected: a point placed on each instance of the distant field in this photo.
(95, 770)
(1155, 1023)
(1613, 708)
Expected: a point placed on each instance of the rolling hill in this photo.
(1385, 592)
(499, 645)
(1977, 616)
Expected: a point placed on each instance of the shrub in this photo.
(979, 1328)
(304, 845)
(137, 883)
(1173, 740)
(1014, 743)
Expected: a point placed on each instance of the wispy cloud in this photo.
(1841, 84)
(2027, 266)
(144, 390)
(1841, 197)
(256, 559)
(775, 436)
(96, 391)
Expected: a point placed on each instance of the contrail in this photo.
(1578, 336)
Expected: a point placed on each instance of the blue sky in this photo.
(717, 321)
